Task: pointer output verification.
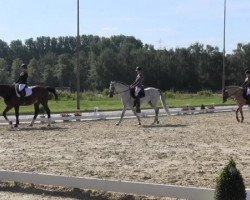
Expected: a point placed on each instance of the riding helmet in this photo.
(24, 66)
(138, 69)
(247, 72)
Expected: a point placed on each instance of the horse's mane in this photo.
(122, 83)
(234, 86)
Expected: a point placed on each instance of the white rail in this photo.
(116, 115)
(149, 189)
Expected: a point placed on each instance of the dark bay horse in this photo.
(40, 95)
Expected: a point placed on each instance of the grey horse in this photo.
(152, 95)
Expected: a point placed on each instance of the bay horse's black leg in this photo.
(17, 115)
(4, 113)
(46, 108)
(36, 107)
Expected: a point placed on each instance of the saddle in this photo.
(140, 95)
(28, 91)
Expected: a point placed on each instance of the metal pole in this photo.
(78, 60)
(224, 44)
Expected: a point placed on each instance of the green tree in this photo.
(15, 69)
(35, 72)
(4, 75)
(230, 184)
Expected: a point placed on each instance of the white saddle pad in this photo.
(248, 91)
(28, 91)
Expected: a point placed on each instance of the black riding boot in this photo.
(248, 99)
(22, 96)
(138, 106)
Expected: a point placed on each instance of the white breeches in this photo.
(21, 86)
(248, 91)
(137, 90)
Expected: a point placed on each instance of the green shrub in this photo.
(170, 94)
(230, 184)
(206, 93)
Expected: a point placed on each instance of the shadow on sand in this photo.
(58, 192)
(165, 126)
(43, 128)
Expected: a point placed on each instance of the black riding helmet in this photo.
(24, 66)
(138, 69)
(247, 72)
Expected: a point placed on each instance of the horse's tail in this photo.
(163, 102)
(52, 90)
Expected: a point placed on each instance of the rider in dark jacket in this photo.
(246, 86)
(138, 86)
(22, 80)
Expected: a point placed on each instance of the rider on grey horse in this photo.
(246, 86)
(22, 81)
(137, 86)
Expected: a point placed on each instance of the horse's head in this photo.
(111, 89)
(225, 94)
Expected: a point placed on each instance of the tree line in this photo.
(52, 61)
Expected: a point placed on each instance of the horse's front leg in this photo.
(241, 113)
(5, 112)
(237, 117)
(36, 107)
(17, 115)
(156, 109)
(138, 117)
(122, 115)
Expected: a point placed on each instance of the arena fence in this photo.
(139, 188)
(116, 115)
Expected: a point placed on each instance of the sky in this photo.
(162, 23)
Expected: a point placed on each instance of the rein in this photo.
(122, 91)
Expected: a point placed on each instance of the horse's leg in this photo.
(122, 115)
(4, 114)
(237, 117)
(46, 108)
(156, 109)
(138, 118)
(241, 113)
(17, 115)
(36, 107)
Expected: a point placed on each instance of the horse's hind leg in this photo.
(5, 112)
(36, 107)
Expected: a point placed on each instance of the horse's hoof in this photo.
(30, 125)
(139, 124)
(117, 124)
(10, 122)
(157, 122)
(16, 126)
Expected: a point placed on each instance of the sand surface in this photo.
(188, 150)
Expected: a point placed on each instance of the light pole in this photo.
(224, 44)
(78, 60)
